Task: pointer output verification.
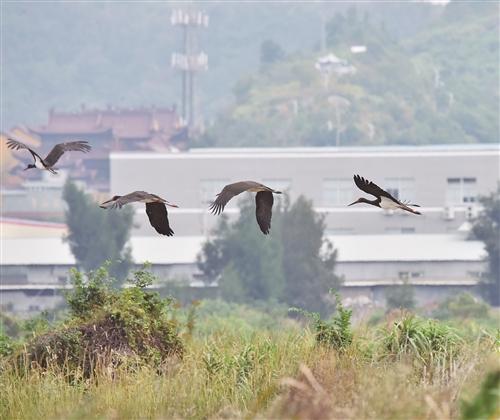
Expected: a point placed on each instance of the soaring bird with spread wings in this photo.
(263, 201)
(383, 199)
(155, 208)
(51, 159)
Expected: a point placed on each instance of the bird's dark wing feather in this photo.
(158, 217)
(264, 210)
(17, 145)
(372, 188)
(59, 149)
(228, 192)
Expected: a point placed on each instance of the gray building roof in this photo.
(184, 249)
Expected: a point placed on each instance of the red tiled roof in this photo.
(125, 123)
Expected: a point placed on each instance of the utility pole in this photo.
(190, 60)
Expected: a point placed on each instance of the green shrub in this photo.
(335, 333)
(462, 306)
(428, 342)
(108, 326)
(486, 404)
(6, 345)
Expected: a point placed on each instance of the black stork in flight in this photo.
(383, 199)
(57, 151)
(263, 201)
(155, 208)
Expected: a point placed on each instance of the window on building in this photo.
(401, 188)
(407, 275)
(461, 191)
(209, 188)
(399, 230)
(337, 192)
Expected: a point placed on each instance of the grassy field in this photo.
(240, 362)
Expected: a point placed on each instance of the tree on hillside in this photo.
(270, 52)
(96, 235)
(293, 264)
(487, 229)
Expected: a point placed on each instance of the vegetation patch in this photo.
(107, 327)
(429, 344)
(335, 333)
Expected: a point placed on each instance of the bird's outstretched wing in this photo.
(228, 192)
(264, 210)
(372, 188)
(59, 149)
(132, 197)
(17, 145)
(158, 217)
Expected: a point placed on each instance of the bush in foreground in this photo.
(335, 333)
(107, 327)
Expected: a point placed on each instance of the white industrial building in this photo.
(35, 270)
(445, 180)
(376, 249)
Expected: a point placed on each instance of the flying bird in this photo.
(57, 151)
(263, 201)
(383, 199)
(155, 208)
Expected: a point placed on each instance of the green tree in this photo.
(487, 229)
(293, 264)
(308, 259)
(96, 235)
(246, 266)
(270, 52)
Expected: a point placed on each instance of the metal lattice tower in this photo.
(191, 60)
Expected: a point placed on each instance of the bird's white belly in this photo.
(388, 204)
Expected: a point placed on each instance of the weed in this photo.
(486, 404)
(430, 344)
(337, 332)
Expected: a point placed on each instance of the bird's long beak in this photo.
(171, 204)
(357, 201)
(278, 192)
(27, 167)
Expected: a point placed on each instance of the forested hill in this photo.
(429, 74)
(439, 85)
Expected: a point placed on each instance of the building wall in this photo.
(34, 274)
(29, 303)
(443, 180)
(376, 296)
(411, 270)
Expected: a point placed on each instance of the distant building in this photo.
(34, 271)
(39, 194)
(445, 180)
(112, 129)
(332, 64)
(358, 49)
(39, 199)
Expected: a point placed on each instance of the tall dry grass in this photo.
(273, 374)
